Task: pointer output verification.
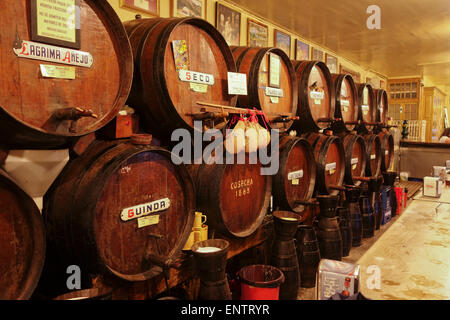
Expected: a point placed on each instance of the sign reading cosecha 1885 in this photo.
(56, 22)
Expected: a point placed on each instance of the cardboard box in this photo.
(336, 277)
(432, 187)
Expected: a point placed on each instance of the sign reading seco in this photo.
(196, 77)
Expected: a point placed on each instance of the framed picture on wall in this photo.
(282, 41)
(257, 34)
(147, 6)
(228, 22)
(382, 85)
(356, 76)
(331, 62)
(317, 55)
(301, 50)
(188, 8)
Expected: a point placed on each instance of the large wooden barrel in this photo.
(120, 208)
(382, 106)
(235, 197)
(373, 155)
(346, 103)
(53, 93)
(355, 158)
(330, 162)
(271, 84)
(387, 150)
(367, 106)
(296, 176)
(315, 96)
(22, 242)
(171, 77)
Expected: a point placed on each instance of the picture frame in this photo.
(301, 50)
(317, 55)
(282, 41)
(66, 36)
(331, 62)
(356, 76)
(189, 8)
(231, 31)
(274, 70)
(148, 6)
(257, 34)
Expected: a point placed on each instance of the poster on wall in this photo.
(282, 41)
(301, 50)
(331, 62)
(317, 55)
(228, 22)
(257, 34)
(147, 6)
(56, 22)
(189, 8)
(356, 76)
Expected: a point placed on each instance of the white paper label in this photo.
(373, 156)
(354, 161)
(317, 95)
(330, 166)
(196, 77)
(58, 72)
(237, 83)
(274, 92)
(386, 152)
(365, 107)
(148, 221)
(295, 175)
(45, 52)
(144, 209)
(345, 103)
(274, 99)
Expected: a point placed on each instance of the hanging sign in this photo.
(45, 52)
(274, 92)
(144, 209)
(56, 22)
(295, 175)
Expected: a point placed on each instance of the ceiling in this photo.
(414, 38)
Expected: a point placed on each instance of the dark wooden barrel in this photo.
(308, 254)
(346, 103)
(22, 238)
(44, 112)
(296, 176)
(367, 106)
(235, 197)
(277, 98)
(121, 208)
(382, 106)
(164, 94)
(316, 102)
(330, 162)
(355, 158)
(387, 150)
(373, 155)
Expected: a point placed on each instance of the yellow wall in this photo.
(165, 7)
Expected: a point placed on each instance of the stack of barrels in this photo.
(125, 208)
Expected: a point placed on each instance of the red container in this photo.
(260, 282)
(400, 199)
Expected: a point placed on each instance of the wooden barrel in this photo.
(330, 162)
(367, 106)
(121, 208)
(373, 155)
(355, 158)
(272, 85)
(40, 107)
(22, 238)
(387, 150)
(235, 197)
(296, 176)
(315, 96)
(346, 103)
(382, 106)
(172, 76)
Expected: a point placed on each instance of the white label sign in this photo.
(295, 175)
(237, 83)
(196, 77)
(365, 107)
(274, 92)
(345, 103)
(45, 52)
(386, 152)
(144, 209)
(354, 161)
(330, 166)
(317, 95)
(373, 156)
